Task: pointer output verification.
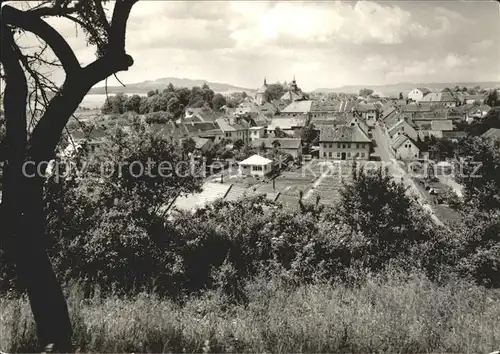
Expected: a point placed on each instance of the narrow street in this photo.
(398, 172)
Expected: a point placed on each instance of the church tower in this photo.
(293, 85)
(293, 92)
(260, 96)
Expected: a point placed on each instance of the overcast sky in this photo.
(324, 44)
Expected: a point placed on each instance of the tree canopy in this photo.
(218, 101)
(365, 92)
(172, 100)
(274, 92)
(480, 172)
(492, 100)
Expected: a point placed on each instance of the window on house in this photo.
(324, 154)
(330, 154)
(330, 146)
(348, 146)
(348, 154)
(339, 145)
(338, 154)
(257, 168)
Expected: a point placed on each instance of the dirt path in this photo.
(320, 179)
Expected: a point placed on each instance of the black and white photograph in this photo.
(241, 176)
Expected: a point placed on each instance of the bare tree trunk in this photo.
(26, 241)
(23, 213)
(22, 209)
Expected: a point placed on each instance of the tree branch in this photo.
(118, 28)
(102, 15)
(29, 21)
(79, 81)
(16, 92)
(106, 66)
(46, 135)
(43, 11)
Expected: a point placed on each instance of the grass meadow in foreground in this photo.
(382, 315)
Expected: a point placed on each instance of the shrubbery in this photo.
(372, 273)
(113, 233)
(111, 242)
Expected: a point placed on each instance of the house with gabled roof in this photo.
(444, 98)
(246, 107)
(291, 126)
(91, 138)
(454, 136)
(280, 104)
(477, 112)
(268, 109)
(387, 111)
(344, 142)
(200, 144)
(216, 135)
(290, 96)
(289, 146)
(296, 109)
(402, 126)
(198, 115)
(321, 109)
(425, 118)
(369, 112)
(470, 111)
(468, 99)
(349, 119)
(391, 117)
(258, 120)
(232, 130)
(357, 120)
(415, 108)
(442, 125)
(405, 148)
(418, 93)
(435, 128)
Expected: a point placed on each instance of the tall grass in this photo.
(388, 314)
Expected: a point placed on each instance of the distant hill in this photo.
(160, 84)
(395, 89)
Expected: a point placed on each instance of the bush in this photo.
(448, 196)
(113, 234)
(158, 117)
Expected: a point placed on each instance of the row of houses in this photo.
(406, 132)
(448, 98)
(343, 126)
